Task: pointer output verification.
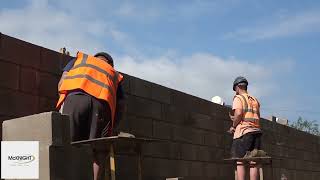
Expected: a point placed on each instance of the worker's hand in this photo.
(231, 130)
(231, 116)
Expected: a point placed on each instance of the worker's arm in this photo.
(121, 107)
(237, 117)
(66, 69)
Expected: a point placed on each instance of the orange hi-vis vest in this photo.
(250, 116)
(93, 76)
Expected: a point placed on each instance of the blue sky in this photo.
(197, 47)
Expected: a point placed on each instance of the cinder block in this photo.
(140, 126)
(189, 152)
(189, 135)
(201, 121)
(162, 130)
(124, 124)
(169, 150)
(211, 170)
(9, 75)
(160, 93)
(50, 61)
(205, 107)
(156, 167)
(19, 52)
(203, 154)
(220, 111)
(17, 104)
(217, 154)
(226, 171)
(213, 139)
(196, 169)
(52, 130)
(174, 114)
(46, 104)
(48, 85)
(140, 87)
(144, 107)
(29, 80)
(126, 165)
(49, 128)
(184, 101)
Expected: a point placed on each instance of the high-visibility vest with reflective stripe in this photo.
(250, 115)
(94, 76)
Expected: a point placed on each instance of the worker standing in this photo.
(245, 128)
(91, 93)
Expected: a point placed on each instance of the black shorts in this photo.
(89, 117)
(245, 143)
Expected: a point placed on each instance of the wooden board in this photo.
(260, 160)
(112, 139)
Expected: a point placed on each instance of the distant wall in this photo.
(195, 129)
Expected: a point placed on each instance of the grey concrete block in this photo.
(52, 130)
(49, 128)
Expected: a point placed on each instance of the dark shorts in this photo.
(245, 143)
(89, 117)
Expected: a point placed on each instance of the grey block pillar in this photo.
(57, 157)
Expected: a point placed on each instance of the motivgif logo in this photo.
(20, 159)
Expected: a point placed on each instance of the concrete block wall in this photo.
(28, 77)
(194, 129)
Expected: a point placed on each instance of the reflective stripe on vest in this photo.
(94, 76)
(250, 109)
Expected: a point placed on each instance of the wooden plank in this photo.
(108, 140)
(112, 163)
(248, 159)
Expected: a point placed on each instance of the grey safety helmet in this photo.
(240, 81)
(106, 55)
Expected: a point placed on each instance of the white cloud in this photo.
(281, 26)
(54, 28)
(203, 75)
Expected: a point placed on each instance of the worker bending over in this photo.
(91, 94)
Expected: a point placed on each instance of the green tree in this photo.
(311, 127)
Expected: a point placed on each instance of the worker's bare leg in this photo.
(241, 171)
(99, 165)
(254, 171)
